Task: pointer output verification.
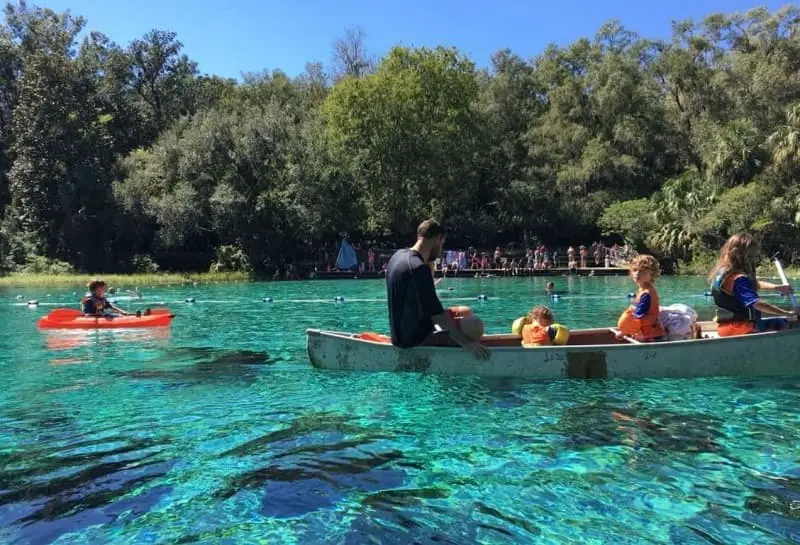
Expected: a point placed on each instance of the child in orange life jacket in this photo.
(641, 320)
(539, 329)
(95, 302)
(734, 287)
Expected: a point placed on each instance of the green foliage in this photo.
(112, 153)
(125, 280)
(143, 263)
(43, 265)
(231, 258)
(632, 220)
(404, 132)
(742, 208)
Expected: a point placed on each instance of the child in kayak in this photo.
(734, 287)
(641, 320)
(95, 302)
(540, 329)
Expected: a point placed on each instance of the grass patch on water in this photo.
(128, 281)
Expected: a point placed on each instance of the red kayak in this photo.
(67, 318)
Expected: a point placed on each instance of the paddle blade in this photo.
(785, 281)
(64, 314)
(781, 272)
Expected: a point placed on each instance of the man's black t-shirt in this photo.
(412, 298)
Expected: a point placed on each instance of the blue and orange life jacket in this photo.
(733, 316)
(729, 307)
(648, 326)
(94, 305)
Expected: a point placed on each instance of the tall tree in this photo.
(350, 56)
(409, 134)
(161, 76)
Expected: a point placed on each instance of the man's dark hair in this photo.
(430, 228)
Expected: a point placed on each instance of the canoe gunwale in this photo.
(628, 344)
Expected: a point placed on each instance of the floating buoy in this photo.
(266, 300)
(449, 289)
(189, 300)
(339, 299)
(706, 294)
(19, 297)
(74, 293)
(48, 295)
(482, 297)
(33, 303)
(194, 283)
(631, 295)
(555, 297)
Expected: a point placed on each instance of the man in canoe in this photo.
(95, 302)
(414, 307)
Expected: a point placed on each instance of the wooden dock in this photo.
(483, 273)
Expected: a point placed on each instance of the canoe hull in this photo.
(118, 322)
(764, 354)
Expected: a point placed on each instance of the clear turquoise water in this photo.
(220, 432)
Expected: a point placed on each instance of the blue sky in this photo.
(228, 38)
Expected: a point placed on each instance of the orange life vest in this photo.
(536, 335)
(723, 295)
(648, 327)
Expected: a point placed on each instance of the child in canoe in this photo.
(641, 320)
(95, 302)
(734, 287)
(539, 329)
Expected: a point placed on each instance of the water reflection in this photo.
(56, 340)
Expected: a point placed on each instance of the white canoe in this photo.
(591, 353)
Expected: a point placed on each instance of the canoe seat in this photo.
(373, 337)
(626, 338)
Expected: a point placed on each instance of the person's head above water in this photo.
(430, 239)
(550, 286)
(97, 287)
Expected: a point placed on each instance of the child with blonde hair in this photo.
(641, 321)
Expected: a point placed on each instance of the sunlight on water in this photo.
(218, 431)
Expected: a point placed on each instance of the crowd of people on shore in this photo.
(508, 262)
(536, 258)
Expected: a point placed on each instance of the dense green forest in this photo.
(125, 157)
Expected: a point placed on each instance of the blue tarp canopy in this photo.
(346, 261)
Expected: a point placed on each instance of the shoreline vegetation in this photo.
(124, 281)
(147, 280)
